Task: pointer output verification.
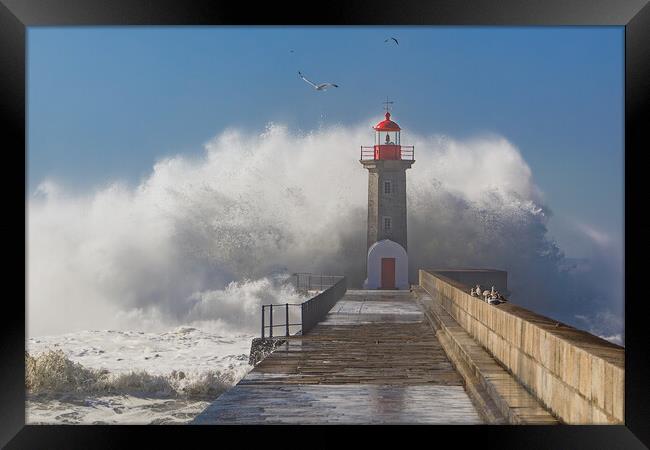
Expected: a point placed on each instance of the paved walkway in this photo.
(374, 359)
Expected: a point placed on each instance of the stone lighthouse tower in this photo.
(387, 161)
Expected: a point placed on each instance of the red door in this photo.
(388, 273)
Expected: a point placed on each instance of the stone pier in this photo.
(431, 355)
(375, 359)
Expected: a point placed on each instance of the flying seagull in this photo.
(318, 87)
(392, 39)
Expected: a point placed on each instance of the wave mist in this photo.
(208, 239)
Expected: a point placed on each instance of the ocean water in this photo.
(131, 377)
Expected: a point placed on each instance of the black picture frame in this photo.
(16, 15)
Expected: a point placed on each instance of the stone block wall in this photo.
(578, 376)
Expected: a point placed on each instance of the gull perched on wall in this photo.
(318, 87)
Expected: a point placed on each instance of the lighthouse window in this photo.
(388, 188)
(387, 223)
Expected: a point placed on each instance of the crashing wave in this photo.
(51, 373)
(197, 239)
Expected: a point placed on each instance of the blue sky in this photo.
(106, 103)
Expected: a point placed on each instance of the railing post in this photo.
(287, 318)
(262, 321)
(271, 321)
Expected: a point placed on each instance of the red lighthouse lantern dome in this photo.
(387, 143)
(387, 125)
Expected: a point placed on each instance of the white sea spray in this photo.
(198, 239)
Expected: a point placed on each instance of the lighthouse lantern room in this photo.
(387, 162)
(387, 136)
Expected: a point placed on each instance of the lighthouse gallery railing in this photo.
(330, 289)
(407, 153)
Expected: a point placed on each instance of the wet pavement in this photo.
(374, 359)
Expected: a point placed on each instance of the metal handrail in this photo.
(286, 323)
(314, 309)
(407, 153)
(367, 153)
(309, 281)
(311, 310)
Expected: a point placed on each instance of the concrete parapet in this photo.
(471, 277)
(496, 394)
(578, 376)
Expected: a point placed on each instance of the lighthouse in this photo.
(386, 162)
